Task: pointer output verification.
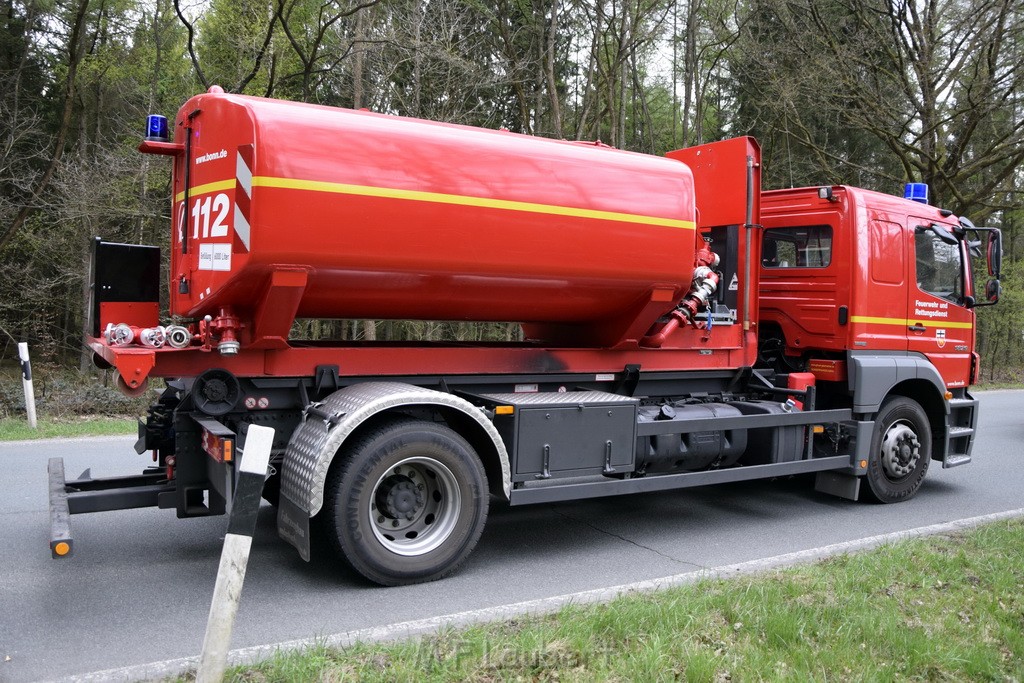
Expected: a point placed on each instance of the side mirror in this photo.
(993, 244)
(992, 290)
(994, 253)
(943, 234)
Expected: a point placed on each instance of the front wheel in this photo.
(901, 448)
(405, 502)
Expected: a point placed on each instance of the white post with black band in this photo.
(26, 383)
(235, 555)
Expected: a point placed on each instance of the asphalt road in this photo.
(138, 588)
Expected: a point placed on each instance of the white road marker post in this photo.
(235, 556)
(26, 382)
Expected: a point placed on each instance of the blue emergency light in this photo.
(916, 192)
(156, 128)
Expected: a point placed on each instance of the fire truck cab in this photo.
(875, 294)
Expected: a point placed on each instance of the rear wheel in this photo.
(901, 449)
(405, 502)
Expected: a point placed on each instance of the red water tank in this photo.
(398, 218)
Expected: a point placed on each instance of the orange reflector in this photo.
(62, 548)
(949, 395)
(863, 464)
(217, 447)
(504, 410)
(819, 429)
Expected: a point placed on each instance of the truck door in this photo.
(939, 324)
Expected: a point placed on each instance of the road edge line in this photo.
(51, 440)
(421, 627)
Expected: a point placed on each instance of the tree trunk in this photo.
(417, 57)
(549, 70)
(357, 61)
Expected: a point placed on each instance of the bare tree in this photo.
(235, 40)
(708, 31)
(938, 83)
(73, 52)
(309, 38)
(622, 33)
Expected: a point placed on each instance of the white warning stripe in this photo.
(241, 227)
(243, 175)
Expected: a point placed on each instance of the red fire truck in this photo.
(680, 327)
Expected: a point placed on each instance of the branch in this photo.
(191, 44)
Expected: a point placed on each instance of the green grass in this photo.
(17, 429)
(1007, 384)
(937, 609)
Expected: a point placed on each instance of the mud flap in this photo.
(838, 484)
(293, 526)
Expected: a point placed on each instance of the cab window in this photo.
(939, 268)
(802, 247)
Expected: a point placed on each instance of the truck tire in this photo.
(405, 502)
(901, 448)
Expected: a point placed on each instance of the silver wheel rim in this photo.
(414, 506)
(900, 450)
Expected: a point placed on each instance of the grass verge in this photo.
(935, 609)
(17, 429)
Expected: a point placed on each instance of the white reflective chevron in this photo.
(243, 175)
(241, 227)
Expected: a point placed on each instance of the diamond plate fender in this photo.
(315, 442)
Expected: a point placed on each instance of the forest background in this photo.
(864, 92)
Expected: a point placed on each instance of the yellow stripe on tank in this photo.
(206, 189)
(464, 200)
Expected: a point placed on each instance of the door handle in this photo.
(917, 328)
